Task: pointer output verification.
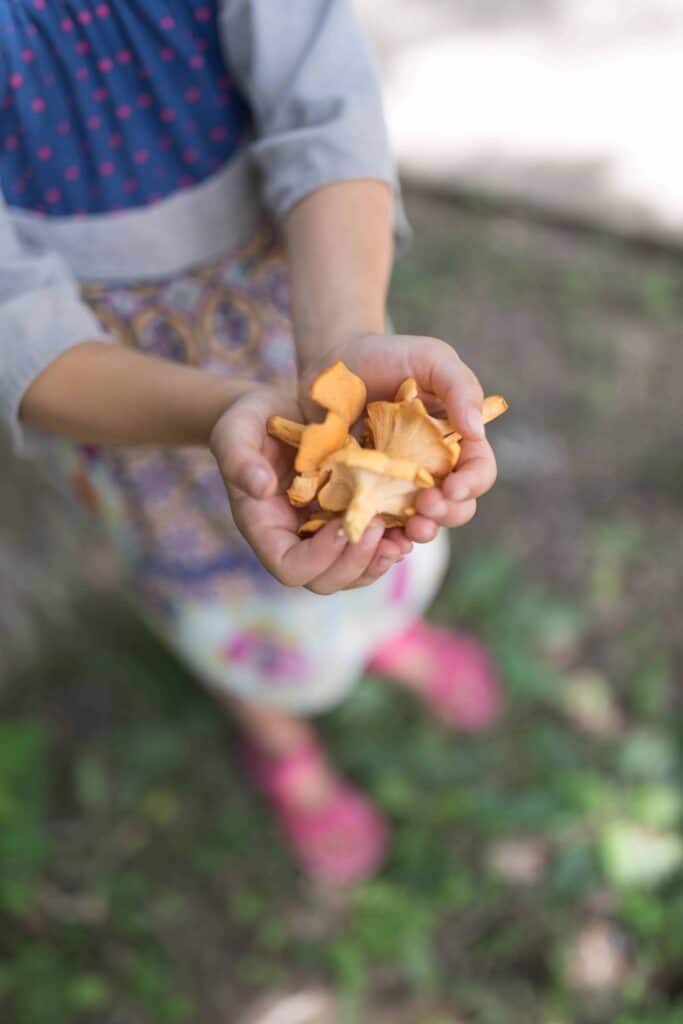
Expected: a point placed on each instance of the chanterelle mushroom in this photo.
(340, 391)
(366, 483)
(404, 430)
(407, 449)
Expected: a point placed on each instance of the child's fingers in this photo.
(397, 535)
(475, 475)
(238, 447)
(351, 564)
(443, 373)
(420, 529)
(300, 562)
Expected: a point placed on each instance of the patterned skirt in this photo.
(194, 577)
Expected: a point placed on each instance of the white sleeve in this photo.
(41, 316)
(309, 75)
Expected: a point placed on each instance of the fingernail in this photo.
(385, 562)
(475, 426)
(257, 481)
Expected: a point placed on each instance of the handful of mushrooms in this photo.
(403, 450)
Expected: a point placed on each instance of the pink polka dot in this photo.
(145, 100)
(11, 143)
(81, 74)
(123, 111)
(106, 168)
(101, 93)
(38, 105)
(202, 14)
(185, 180)
(116, 140)
(190, 156)
(201, 45)
(82, 46)
(124, 56)
(193, 94)
(94, 122)
(106, 64)
(39, 5)
(103, 10)
(167, 22)
(16, 80)
(168, 53)
(84, 17)
(72, 173)
(28, 56)
(167, 115)
(66, 24)
(44, 152)
(141, 156)
(130, 185)
(63, 127)
(217, 133)
(197, 61)
(52, 195)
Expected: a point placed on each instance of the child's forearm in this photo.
(105, 393)
(340, 249)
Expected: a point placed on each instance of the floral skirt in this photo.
(195, 578)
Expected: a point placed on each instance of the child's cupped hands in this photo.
(384, 361)
(257, 469)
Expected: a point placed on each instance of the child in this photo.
(199, 201)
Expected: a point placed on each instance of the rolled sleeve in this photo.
(41, 316)
(310, 77)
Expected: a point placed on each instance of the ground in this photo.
(536, 873)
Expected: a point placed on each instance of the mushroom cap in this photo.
(318, 441)
(364, 483)
(380, 463)
(340, 391)
(405, 430)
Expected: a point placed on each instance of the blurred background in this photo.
(537, 872)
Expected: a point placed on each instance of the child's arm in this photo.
(108, 394)
(329, 178)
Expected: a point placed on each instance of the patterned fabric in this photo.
(197, 579)
(107, 106)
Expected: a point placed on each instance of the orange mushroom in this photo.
(340, 391)
(366, 483)
(404, 430)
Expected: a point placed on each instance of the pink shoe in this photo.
(343, 842)
(461, 685)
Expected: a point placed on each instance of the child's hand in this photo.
(256, 470)
(384, 362)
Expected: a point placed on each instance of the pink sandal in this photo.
(462, 690)
(343, 842)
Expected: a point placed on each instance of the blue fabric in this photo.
(108, 106)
